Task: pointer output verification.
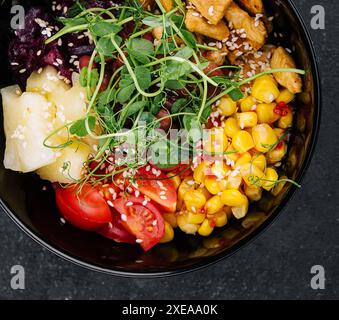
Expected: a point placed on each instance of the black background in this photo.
(275, 266)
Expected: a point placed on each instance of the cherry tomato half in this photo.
(86, 210)
(141, 219)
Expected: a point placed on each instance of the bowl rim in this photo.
(241, 243)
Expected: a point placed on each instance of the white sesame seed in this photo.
(110, 203)
(129, 204)
(123, 217)
(139, 241)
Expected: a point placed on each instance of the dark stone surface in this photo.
(275, 266)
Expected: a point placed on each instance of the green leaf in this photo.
(143, 76)
(124, 94)
(83, 77)
(177, 105)
(147, 117)
(236, 94)
(106, 97)
(206, 114)
(79, 127)
(189, 38)
(141, 45)
(72, 22)
(104, 28)
(174, 85)
(185, 53)
(106, 47)
(139, 56)
(154, 22)
(135, 107)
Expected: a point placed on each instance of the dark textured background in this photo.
(275, 266)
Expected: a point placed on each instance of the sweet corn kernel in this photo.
(200, 172)
(227, 106)
(279, 186)
(212, 185)
(169, 233)
(245, 158)
(285, 96)
(233, 198)
(247, 119)
(220, 219)
(186, 227)
(157, 32)
(214, 205)
(286, 121)
(233, 156)
(277, 154)
(259, 160)
(206, 228)
(171, 218)
(265, 89)
(195, 218)
(205, 192)
(253, 193)
(248, 104)
(194, 200)
(266, 113)
(185, 186)
(242, 141)
(219, 169)
(271, 177)
(234, 181)
(217, 141)
(231, 127)
(251, 174)
(175, 178)
(263, 137)
(240, 211)
(223, 183)
(279, 132)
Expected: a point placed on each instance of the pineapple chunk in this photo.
(46, 82)
(69, 165)
(198, 24)
(26, 127)
(212, 10)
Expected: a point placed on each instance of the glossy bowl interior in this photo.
(33, 209)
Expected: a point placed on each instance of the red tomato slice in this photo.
(116, 231)
(142, 220)
(156, 185)
(86, 210)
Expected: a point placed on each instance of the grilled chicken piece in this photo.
(212, 10)
(255, 29)
(217, 57)
(290, 80)
(196, 23)
(252, 6)
(147, 4)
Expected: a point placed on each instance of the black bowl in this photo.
(34, 210)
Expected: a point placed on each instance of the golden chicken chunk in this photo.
(147, 4)
(212, 10)
(196, 23)
(253, 6)
(253, 28)
(290, 80)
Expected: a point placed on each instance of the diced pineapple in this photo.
(46, 82)
(26, 127)
(69, 165)
(212, 10)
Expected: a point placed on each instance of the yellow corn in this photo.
(223, 183)
(242, 141)
(169, 233)
(245, 158)
(185, 186)
(279, 186)
(212, 185)
(279, 132)
(194, 200)
(286, 121)
(171, 218)
(271, 177)
(233, 198)
(175, 179)
(157, 32)
(234, 181)
(263, 137)
(200, 172)
(265, 89)
(206, 228)
(205, 192)
(240, 211)
(217, 141)
(253, 193)
(214, 205)
(227, 106)
(186, 227)
(266, 114)
(259, 160)
(247, 119)
(251, 174)
(277, 154)
(220, 219)
(219, 169)
(247, 104)
(195, 218)
(232, 156)
(285, 96)
(231, 127)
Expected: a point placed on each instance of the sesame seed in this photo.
(129, 204)
(22, 71)
(123, 217)
(211, 11)
(139, 241)
(110, 203)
